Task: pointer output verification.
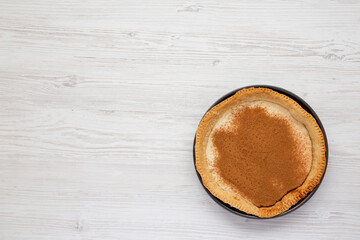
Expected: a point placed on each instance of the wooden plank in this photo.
(100, 103)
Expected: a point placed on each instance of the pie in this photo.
(260, 152)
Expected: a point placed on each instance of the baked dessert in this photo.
(260, 152)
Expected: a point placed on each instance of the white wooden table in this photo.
(100, 101)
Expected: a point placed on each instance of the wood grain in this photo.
(100, 101)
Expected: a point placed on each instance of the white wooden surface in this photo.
(100, 101)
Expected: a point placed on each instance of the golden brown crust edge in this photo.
(235, 200)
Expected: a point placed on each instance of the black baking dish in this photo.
(305, 106)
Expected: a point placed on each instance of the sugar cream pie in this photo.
(260, 152)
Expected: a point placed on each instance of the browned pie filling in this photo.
(259, 157)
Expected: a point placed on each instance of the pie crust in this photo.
(219, 188)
